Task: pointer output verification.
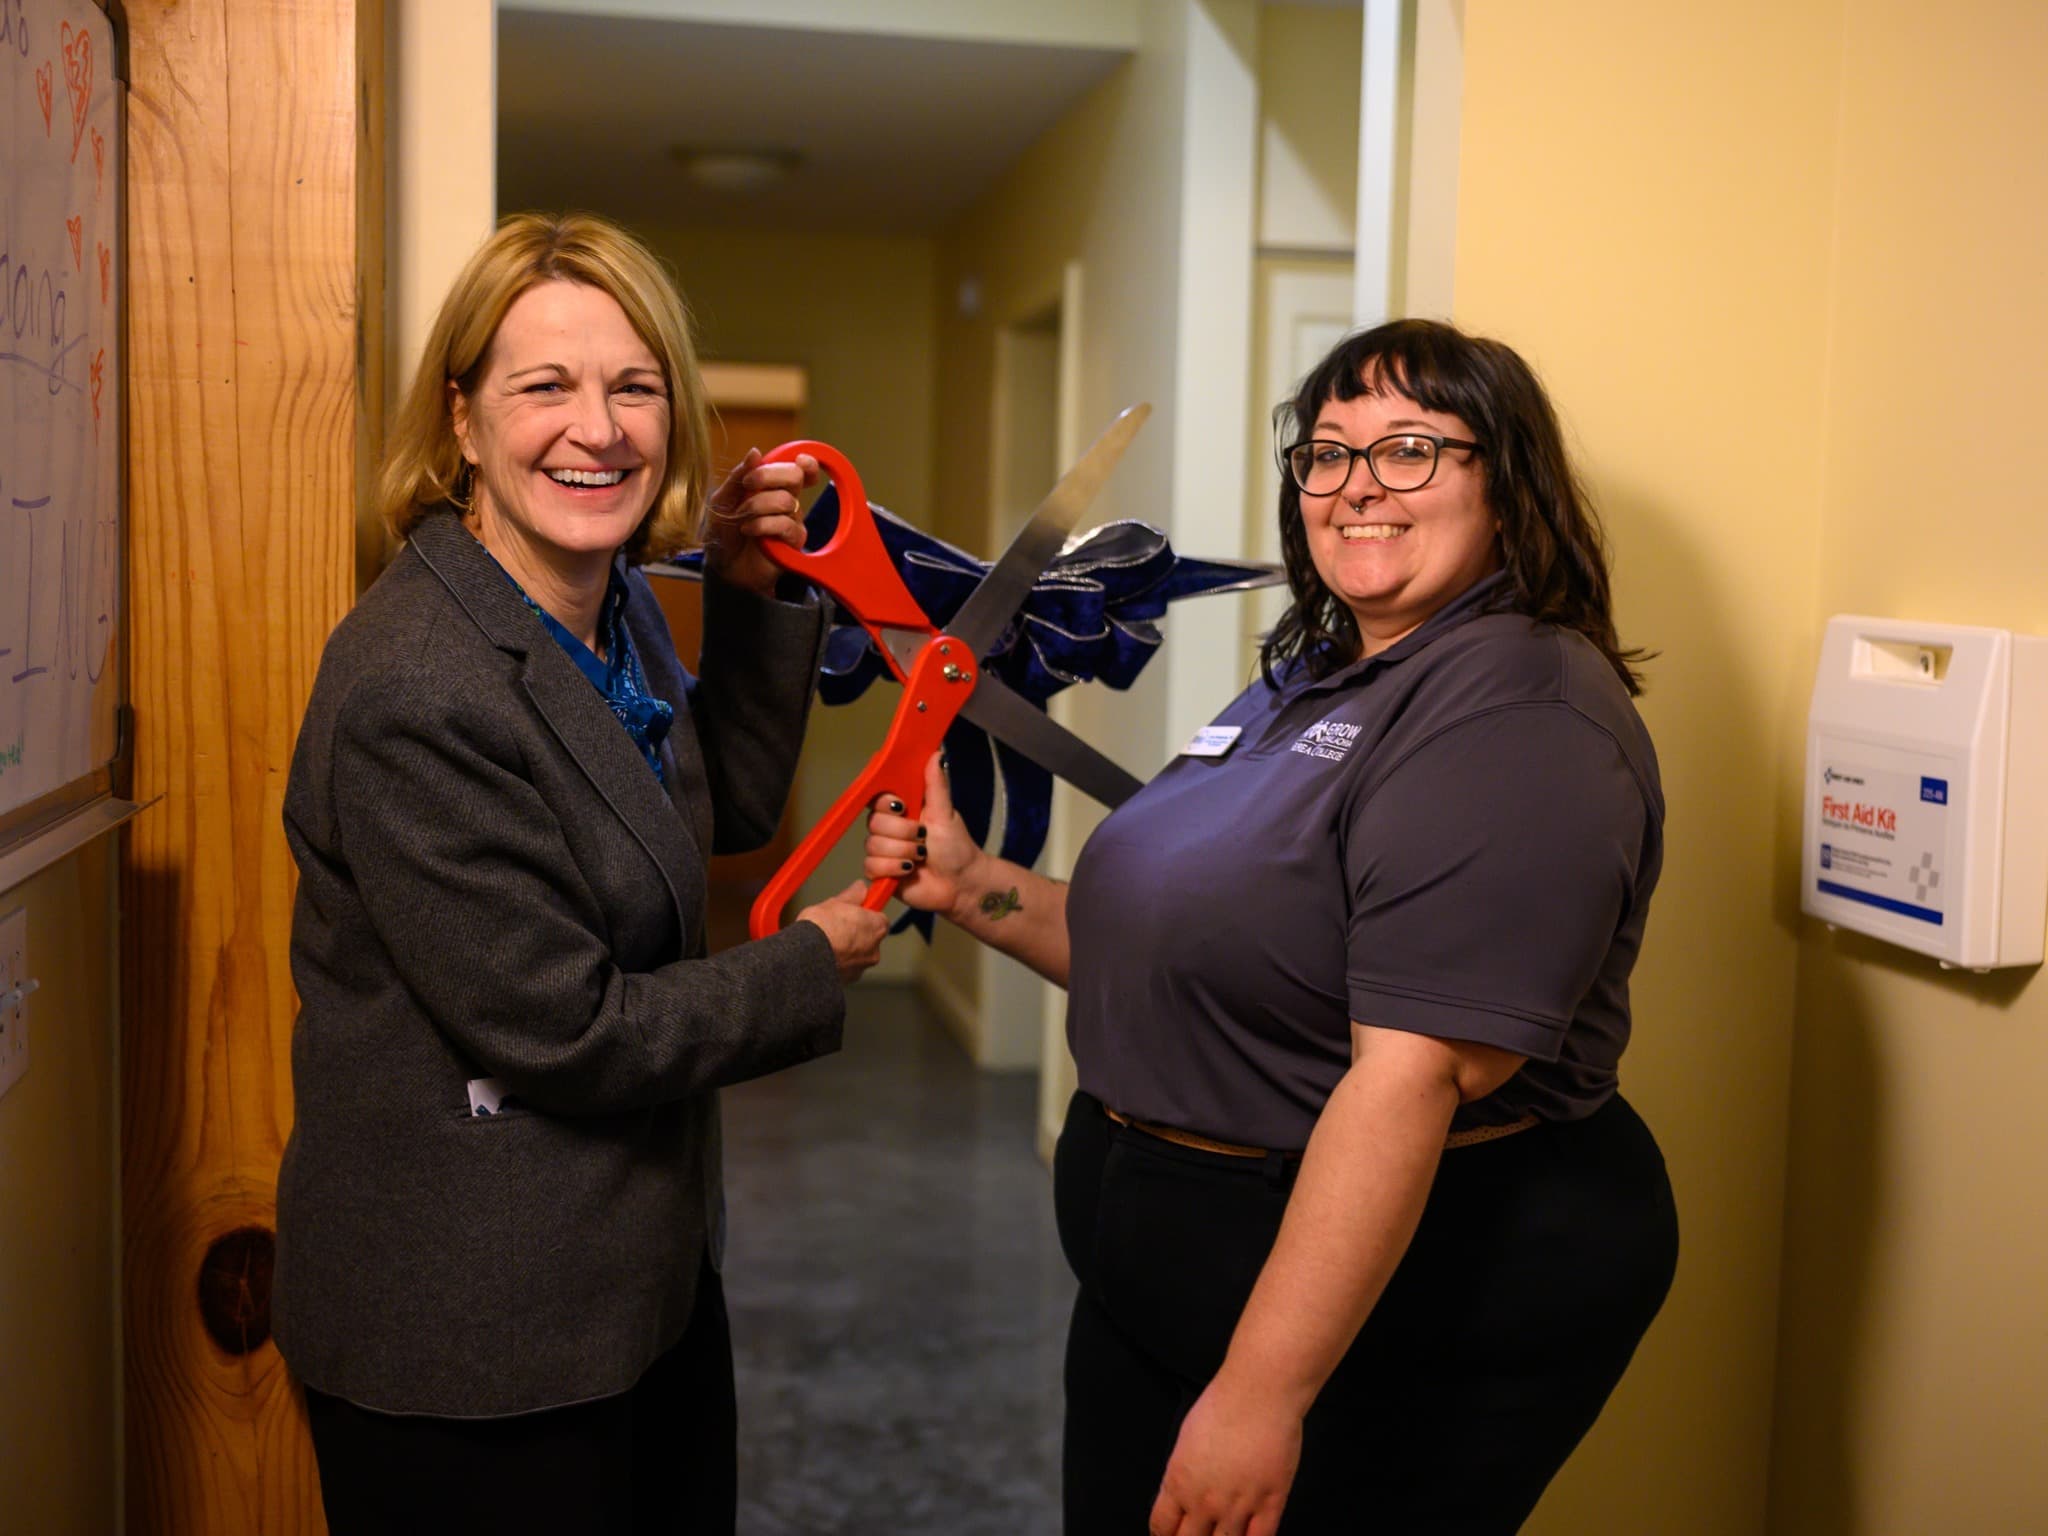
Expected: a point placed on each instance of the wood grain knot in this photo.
(234, 1289)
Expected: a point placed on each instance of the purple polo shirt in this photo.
(1457, 837)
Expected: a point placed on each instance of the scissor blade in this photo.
(995, 602)
(1010, 717)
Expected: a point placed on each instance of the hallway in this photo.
(898, 1296)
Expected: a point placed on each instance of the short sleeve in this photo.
(1490, 871)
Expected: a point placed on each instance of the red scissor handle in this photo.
(941, 677)
(853, 565)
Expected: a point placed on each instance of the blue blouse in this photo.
(617, 677)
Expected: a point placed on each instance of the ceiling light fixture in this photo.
(736, 170)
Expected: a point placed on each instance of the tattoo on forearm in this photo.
(997, 905)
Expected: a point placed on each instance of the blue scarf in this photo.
(618, 678)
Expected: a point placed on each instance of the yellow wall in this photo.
(858, 313)
(1753, 248)
(1913, 1378)
(60, 1350)
(1656, 241)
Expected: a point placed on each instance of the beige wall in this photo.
(1010, 252)
(1913, 1376)
(1146, 188)
(1705, 244)
(858, 313)
(1658, 245)
(60, 1345)
(1308, 65)
(1053, 23)
(443, 67)
(440, 184)
(1308, 127)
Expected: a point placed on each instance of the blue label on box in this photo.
(1934, 791)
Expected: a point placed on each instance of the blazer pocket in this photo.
(489, 1099)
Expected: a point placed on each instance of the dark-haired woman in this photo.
(1365, 1233)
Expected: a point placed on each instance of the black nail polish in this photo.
(920, 834)
(920, 853)
(908, 866)
(895, 806)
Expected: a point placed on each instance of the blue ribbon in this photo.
(1092, 615)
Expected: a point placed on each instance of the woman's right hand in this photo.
(854, 932)
(932, 861)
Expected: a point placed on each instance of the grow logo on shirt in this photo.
(1330, 740)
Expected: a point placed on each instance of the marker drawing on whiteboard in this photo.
(77, 51)
(84, 602)
(87, 575)
(34, 306)
(13, 28)
(28, 607)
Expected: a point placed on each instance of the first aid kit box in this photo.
(1926, 789)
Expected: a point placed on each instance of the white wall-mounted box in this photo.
(1926, 816)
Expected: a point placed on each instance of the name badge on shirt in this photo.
(1212, 741)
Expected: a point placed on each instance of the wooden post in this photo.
(254, 188)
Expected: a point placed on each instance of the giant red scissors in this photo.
(940, 669)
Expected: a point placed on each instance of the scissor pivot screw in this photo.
(920, 706)
(951, 672)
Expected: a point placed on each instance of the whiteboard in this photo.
(61, 399)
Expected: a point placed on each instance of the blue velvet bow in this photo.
(1090, 615)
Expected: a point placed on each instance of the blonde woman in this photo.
(499, 1211)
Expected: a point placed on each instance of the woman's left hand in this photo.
(1231, 1467)
(757, 502)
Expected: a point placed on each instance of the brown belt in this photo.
(1187, 1138)
(1232, 1149)
(1480, 1133)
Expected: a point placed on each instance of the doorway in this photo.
(1025, 459)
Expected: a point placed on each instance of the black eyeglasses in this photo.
(1405, 461)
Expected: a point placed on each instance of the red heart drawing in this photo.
(99, 382)
(46, 86)
(105, 257)
(77, 79)
(99, 160)
(75, 228)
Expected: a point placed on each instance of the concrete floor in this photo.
(898, 1297)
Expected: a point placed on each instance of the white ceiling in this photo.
(892, 134)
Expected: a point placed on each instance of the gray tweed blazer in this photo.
(493, 885)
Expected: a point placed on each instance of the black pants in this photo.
(658, 1458)
(1540, 1260)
